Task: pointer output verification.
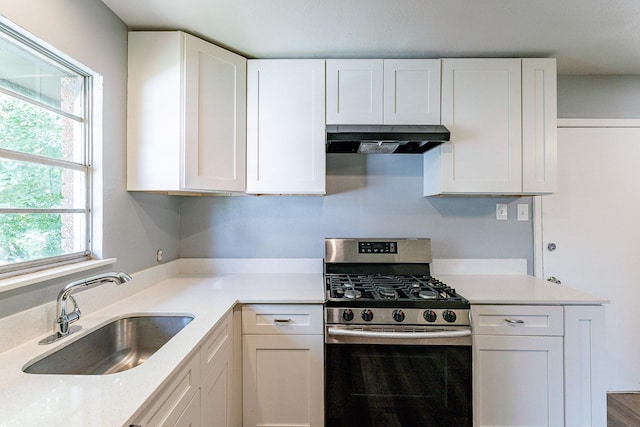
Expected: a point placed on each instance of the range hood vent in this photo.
(367, 139)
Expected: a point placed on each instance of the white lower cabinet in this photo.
(518, 380)
(282, 365)
(216, 354)
(584, 359)
(191, 415)
(201, 392)
(166, 407)
(518, 365)
(538, 365)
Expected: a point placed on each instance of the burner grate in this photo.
(387, 287)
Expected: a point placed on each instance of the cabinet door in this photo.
(481, 106)
(217, 392)
(191, 415)
(285, 127)
(411, 91)
(354, 91)
(518, 381)
(539, 126)
(214, 114)
(154, 102)
(217, 370)
(167, 405)
(283, 380)
(584, 343)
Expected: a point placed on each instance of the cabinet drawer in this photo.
(173, 398)
(274, 319)
(216, 345)
(517, 320)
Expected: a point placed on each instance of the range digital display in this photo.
(378, 247)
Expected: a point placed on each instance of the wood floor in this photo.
(623, 409)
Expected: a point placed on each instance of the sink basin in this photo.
(115, 347)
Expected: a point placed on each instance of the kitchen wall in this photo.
(367, 196)
(129, 227)
(599, 96)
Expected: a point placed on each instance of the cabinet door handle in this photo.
(514, 321)
(282, 321)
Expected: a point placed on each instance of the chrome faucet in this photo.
(63, 319)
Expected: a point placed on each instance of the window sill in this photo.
(22, 280)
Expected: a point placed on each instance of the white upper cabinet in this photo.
(481, 107)
(501, 114)
(539, 126)
(354, 91)
(389, 91)
(285, 126)
(186, 127)
(411, 91)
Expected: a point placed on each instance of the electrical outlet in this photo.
(159, 255)
(523, 212)
(502, 212)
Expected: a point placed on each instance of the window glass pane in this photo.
(31, 129)
(34, 186)
(44, 154)
(27, 237)
(30, 74)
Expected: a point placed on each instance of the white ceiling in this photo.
(587, 36)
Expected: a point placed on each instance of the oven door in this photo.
(387, 377)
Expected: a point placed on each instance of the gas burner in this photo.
(387, 293)
(427, 294)
(351, 293)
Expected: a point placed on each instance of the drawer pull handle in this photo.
(282, 321)
(514, 321)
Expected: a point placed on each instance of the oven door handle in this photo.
(341, 332)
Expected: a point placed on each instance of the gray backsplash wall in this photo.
(367, 196)
(599, 96)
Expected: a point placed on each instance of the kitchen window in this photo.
(45, 152)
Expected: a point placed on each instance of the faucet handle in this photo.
(74, 315)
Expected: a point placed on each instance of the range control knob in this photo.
(367, 315)
(398, 315)
(347, 315)
(449, 316)
(429, 315)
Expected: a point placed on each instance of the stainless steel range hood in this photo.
(368, 139)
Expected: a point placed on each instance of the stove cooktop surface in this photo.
(381, 290)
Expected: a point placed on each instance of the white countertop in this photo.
(516, 289)
(111, 400)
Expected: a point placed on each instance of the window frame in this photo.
(44, 51)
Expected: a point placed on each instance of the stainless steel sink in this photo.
(115, 347)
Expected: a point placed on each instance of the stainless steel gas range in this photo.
(397, 340)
